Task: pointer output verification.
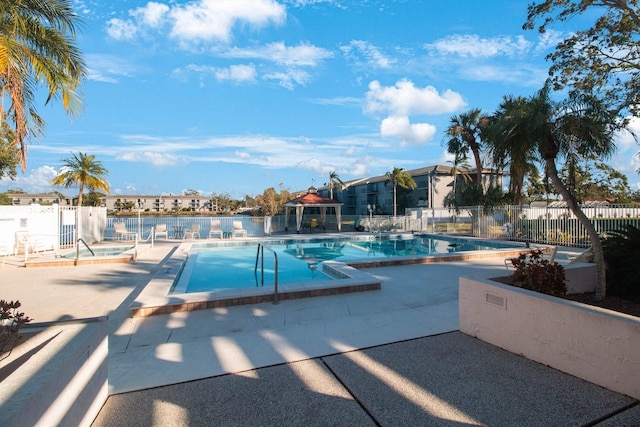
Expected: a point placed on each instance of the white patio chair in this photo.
(161, 230)
(192, 232)
(238, 230)
(216, 229)
(122, 232)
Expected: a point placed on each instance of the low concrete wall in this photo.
(597, 345)
(58, 377)
(581, 277)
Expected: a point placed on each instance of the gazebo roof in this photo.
(311, 199)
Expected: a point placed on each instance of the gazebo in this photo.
(312, 200)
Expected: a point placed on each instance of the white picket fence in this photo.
(40, 228)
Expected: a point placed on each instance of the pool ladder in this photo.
(86, 246)
(260, 258)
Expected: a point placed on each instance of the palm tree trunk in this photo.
(476, 157)
(596, 244)
(395, 186)
(80, 193)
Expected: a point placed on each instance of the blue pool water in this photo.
(110, 251)
(212, 267)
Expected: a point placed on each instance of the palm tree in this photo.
(507, 139)
(36, 47)
(334, 179)
(465, 134)
(459, 166)
(578, 126)
(82, 170)
(402, 178)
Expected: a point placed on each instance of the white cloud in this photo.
(302, 55)
(289, 78)
(37, 181)
(121, 30)
(372, 57)
(312, 164)
(199, 20)
(625, 139)
(401, 128)
(476, 47)
(156, 159)
(405, 99)
(153, 14)
(108, 68)
(549, 40)
(401, 101)
(520, 74)
(626, 158)
(236, 73)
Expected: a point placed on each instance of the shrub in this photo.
(10, 322)
(622, 255)
(535, 273)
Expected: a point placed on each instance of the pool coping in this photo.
(155, 298)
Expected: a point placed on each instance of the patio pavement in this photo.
(388, 357)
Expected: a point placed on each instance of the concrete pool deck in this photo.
(387, 357)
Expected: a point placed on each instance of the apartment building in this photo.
(433, 185)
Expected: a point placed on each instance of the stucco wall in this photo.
(594, 344)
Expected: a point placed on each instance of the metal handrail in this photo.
(87, 246)
(260, 257)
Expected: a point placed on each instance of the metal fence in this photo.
(548, 225)
(55, 227)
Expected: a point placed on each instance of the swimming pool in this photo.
(99, 252)
(211, 267)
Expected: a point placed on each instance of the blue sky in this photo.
(235, 96)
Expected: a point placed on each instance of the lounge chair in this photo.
(356, 226)
(121, 231)
(313, 226)
(191, 233)
(25, 240)
(161, 230)
(238, 230)
(216, 229)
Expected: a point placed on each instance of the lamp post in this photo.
(371, 209)
(138, 208)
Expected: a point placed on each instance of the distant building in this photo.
(158, 203)
(433, 185)
(22, 199)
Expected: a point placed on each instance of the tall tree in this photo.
(508, 140)
(465, 133)
(459, 166)
(37, 48)
(399, 177)
(9, 154)
(334, 180)
(581, 125)
(82, 170)
(604, 58)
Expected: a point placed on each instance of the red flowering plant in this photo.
(535, 273)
